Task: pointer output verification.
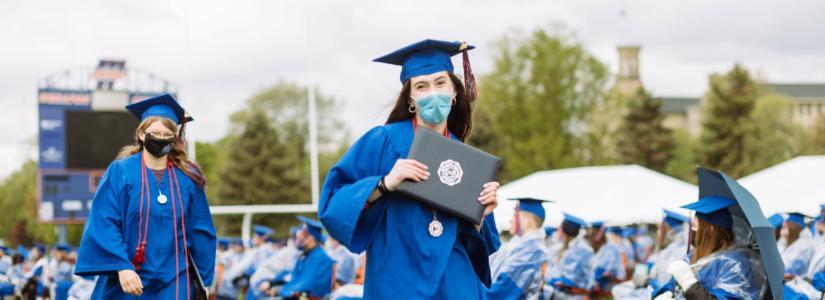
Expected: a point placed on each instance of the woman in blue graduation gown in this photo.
(719, 268)
(149, 214)
(413, 251)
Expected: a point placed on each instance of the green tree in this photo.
(682, 164)
(268, 140)
(642, 139)
(538, 97)
(261, 168)
(727, 121)
(815, 140)
(18, 194)
(774, 137)
(211, 157)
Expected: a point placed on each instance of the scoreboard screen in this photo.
(93, 138)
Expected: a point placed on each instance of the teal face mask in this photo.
(434, 108)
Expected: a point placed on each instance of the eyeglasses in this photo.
(162, 136)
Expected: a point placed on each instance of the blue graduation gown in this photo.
(797, 256)
(111, 233)
(574, 268)
(403, 260)
(731, 274)
(608, 264)
(312, 274)
(517, 272)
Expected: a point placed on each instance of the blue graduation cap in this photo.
(41, 248)
(628, 232)
(5, 250)
(713, 209)
(314, 227)
(164, 106)
(549, 230)
(262, 231)
(573, 220)
(674, 219)
(425, 57)
(797, 218)
(617, 230)
(236, 241)
(776, 220)
(532, 205)
(63, 247)
(223, 242)
(22, 251)
(597, 224)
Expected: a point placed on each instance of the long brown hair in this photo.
(459, 122)
(794, 230)
(178, 155)
(710, 238)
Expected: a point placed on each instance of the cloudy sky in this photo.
(221, 52)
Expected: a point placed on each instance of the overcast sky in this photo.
(220, 53)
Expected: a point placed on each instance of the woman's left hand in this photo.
(489, 197)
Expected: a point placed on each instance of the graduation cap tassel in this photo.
(470, 88)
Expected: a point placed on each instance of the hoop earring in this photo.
(411, 109)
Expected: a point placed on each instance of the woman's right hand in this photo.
(405, 169)
(130, 282)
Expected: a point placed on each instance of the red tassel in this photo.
(140, 256)
(470, 88)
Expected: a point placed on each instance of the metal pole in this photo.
(246, 227)
(313, 144)
(61, 233)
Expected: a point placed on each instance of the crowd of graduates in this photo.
(577, 260)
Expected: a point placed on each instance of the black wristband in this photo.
(382, 187)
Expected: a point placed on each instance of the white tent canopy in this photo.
(617, 195)
(796, 185)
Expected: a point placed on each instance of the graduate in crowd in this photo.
(150, 214)
(37, 265)
(610, 263)
(674, 233)
(571, 270)
(800, 248)
(626, 234)
(6, 286)
(62, 271)
(595, 235)
(643, 245)
(819, 225)
(346, 262)
(82, 288)
(414, 251)
(236, 279)
(277, 267)
(313, 273)
(719, 268)
(517, 266)
(225, 288)
(776, 221)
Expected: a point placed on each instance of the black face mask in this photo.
(157, 147)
